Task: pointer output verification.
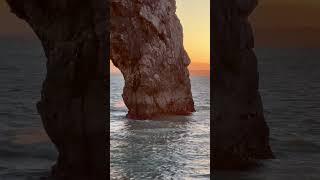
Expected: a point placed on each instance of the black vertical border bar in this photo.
(102, 27)
(107, 83)
(103, 31)
(213, 44)
(102, 20)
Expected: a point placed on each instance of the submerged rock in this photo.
(73, 99)
(241, 135)
(147, 47)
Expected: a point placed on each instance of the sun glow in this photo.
(195, 19)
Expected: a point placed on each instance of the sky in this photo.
(11, 26)
(287, 23)
(276, 23)
(194, 16)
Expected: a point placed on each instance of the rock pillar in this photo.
(240, 132)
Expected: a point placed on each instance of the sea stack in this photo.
(240, 133)
(74, 35)
(147, 47)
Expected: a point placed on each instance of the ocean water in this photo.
(175, 147)
(178, 147)
(25, 151)
(290, 88)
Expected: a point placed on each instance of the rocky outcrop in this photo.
(147, 47)
(73, 100)
(241, 135)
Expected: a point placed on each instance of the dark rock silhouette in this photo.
(74, 35)
(147, 47)
(241, 135)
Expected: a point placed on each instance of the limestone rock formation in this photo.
(241, 135)
(74, 35)
(147, 47)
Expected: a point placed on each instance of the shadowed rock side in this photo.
(241, 135)
(72, 106)
(147, 47)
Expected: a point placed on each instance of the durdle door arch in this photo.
(240, 133)
(75, 38)
(73, 105)
(147, 47)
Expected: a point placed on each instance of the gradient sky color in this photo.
(277, 23)
(287, 23)
(195, 19)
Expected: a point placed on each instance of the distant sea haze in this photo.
(195, 69)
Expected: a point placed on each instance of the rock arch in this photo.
(74, 36)
(147, 47)
(73, 98)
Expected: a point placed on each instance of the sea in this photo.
(175, 147)
(172, 147)
(290, 89)
(25, 151)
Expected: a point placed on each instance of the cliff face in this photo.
(241, 134)
(147, 47)
(73, 99)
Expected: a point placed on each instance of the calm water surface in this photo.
(167, 148)
(25, 151)
(290, 87)
(176, 147)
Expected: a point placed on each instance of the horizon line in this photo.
(206, 74)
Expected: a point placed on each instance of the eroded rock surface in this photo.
(73, 100)
(147, 47)
(241, 134)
